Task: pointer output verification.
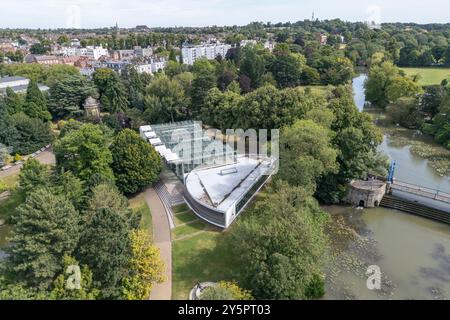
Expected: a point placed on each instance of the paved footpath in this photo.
(162, 239)
(46, 157)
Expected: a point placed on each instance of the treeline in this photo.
(407, 102)
(75, 216)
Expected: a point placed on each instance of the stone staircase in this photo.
(415, 208)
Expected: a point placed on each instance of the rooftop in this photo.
(222, 186)
(11, 79)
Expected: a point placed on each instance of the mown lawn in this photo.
(199, 253)
(139, 206)
(429, 76)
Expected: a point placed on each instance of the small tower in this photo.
(91, 107)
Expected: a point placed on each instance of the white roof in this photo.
(225, 185)
(145, 128)
(150, 134)
(155, 141)
(161, 149)
(170, 156)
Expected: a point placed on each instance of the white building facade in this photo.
(209, 51)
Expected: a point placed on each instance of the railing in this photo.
(421, 191)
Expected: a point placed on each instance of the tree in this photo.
(253, 65)
(14, 102)
(68, 95)
(287, 69)
(105, 246)
(113, 95)
(107, 196)
(86, 291)
(135, 162)
(402, 87)
(226, 291)
(204, 80)
(280, 261)
(146, 267)
(379, 80)
(45, 228)
(85, 152)
(31, 134)
(306, 153)
(63, 39)
(39, 48)
(35, 103)
(165, 100)
(34, 175)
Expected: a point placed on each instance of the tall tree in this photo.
(136, 164)
(146, 266)
(113, 95)
(85, 152)
(35, 103)
(45, 228)
(105, 246)
(280, 261)
(68, 95)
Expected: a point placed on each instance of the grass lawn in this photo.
(202, 257)
(318, 89)
(199, 253)
(10, 181)
(139, 205)
(429, 76)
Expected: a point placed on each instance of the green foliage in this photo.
(29, 134)
(46, 227)
(226, 291)
(84, 152)
(113, 95)
(87, 291)
(306, 154)
(35, 103)
(135, 162)
(253, 65)
(33, 176)
(165, 100)
(287, 69)
(146, 267)
(14, 102)
(282, 245)
(68, 95)
(105, 247)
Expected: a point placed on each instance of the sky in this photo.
(163, 13)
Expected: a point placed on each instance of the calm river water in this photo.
(413, 253)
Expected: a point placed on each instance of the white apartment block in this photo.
(92, 52)
(209, 51)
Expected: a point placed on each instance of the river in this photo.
(413, 253)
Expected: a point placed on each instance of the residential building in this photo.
(209, 51)
(93, 52)
(143, 52)
(323, 39)
(244, 43)
(42, 59)
(144, 68)
(117, 66)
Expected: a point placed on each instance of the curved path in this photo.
(163, 240)
(45, 157)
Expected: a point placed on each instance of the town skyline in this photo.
(51, 14)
